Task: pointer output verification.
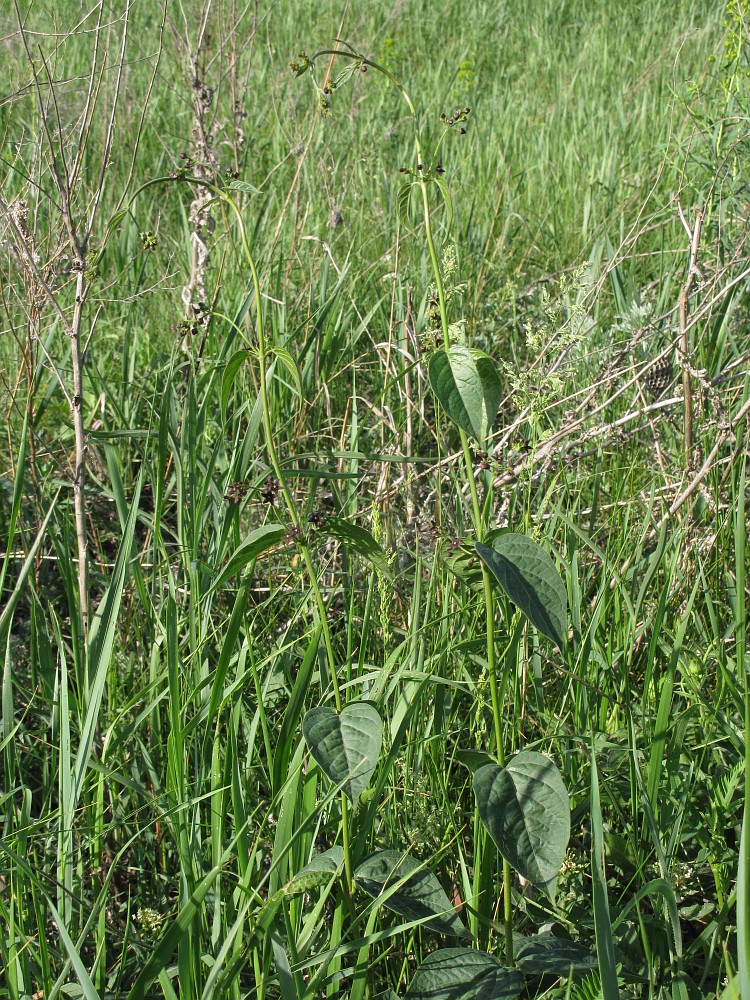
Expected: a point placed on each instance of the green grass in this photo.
(281, 514)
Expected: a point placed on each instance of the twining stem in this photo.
(471, 479)
(489, 601)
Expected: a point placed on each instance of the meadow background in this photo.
(276, 515)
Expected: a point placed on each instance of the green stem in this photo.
(295, 518)
(486, 580)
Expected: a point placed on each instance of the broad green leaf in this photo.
(404, 197)
(460, 557)
(445, 192)
(474, 759)
(526, 810)
(231, 368)
(546, 954)
(468, 388)
(359, 540)
(464, 974)
(419, 894)
(346, 73)
(291, 366)
(462, 562)
(318, 872)
(530, 579)
(346, 746)
(246, 552)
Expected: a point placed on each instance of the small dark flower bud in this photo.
(450, 122)
(419, 166)
(440, 168)
(363, 69)
(467, 111)
(403, 170)
(462, 131)
(326, 91)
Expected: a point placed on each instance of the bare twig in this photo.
(695, 239)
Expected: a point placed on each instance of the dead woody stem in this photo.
(74, 233)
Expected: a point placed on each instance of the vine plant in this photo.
(522, 801)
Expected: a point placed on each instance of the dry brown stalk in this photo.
(694, 236)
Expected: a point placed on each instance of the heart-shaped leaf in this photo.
(346, 746)
(463, 974)
(419, 895)
(468, 388)
(318, 872)
(530, 579)
(526, 810)
(546, 954)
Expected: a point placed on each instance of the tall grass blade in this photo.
(605, 945)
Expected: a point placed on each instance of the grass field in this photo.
(373, 561)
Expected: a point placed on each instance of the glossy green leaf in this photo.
(419, 894)
(345, 746)
(526, 810)
(528, 576)
(464, 974)
(468, 387)
(318, 872)
(359, 540)
(546, 954)
(257, 542)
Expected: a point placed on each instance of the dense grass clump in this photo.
(373, 501)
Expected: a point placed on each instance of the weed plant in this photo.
(373, 507)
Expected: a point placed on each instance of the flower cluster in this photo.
(458, 116)
(236, 492)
